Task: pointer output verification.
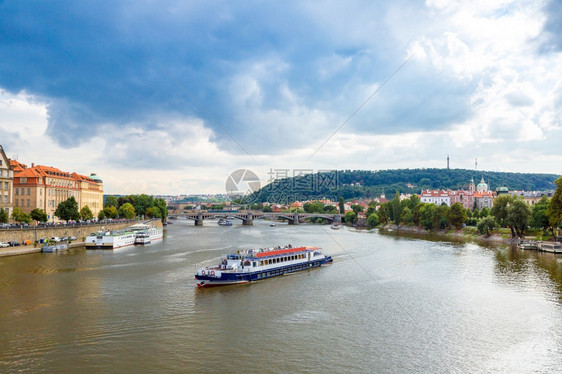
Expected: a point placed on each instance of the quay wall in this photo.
(31, 233)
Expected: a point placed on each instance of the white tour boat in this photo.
(252, 265)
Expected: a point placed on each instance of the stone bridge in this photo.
(248, 217)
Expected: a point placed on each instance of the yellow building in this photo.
(45, 187)
(6, 182)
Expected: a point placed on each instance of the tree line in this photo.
(509, 211)
(129, 206)
(354, 184)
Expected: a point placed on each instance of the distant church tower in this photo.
(447, 161)
(472, 186)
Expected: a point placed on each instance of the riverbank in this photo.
(32, 234)
(465, 234)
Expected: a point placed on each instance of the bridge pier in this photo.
(199, 220)
(295, 220)
(249, 221)
(337, 218)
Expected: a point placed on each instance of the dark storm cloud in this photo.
(92, 62)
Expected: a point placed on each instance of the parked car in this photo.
(4, 244)
(55, 239)
(13, 243)
(64, 239)
(72, 238)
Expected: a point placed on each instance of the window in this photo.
(17, 202)
(5, 199)
(28, 190)
(6, 185)
(23, 180)
(27, 202)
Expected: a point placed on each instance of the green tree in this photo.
(110, 201)
(554, 209)
(163, 208)
(127, 210)
(383, 214)
(330, 209)
(110, 212)
(373, 220)
(267, 209)
(68, 210)
(476, 213)
(125, 199)
(500, 211)
(396, 208)
(428, 212)
(406, 217)
(86, 213)
(39, 215)
(413, 202)
(342, 205)
(101, 215)
(314, 207)
(141, 203)
(539, 219)
(442, 216)
(457, 215)
(20, 216)
(357, 209)
(484, 212)
(416, 218)
(485, 225)
(519, 214)
(153, 212)
(350, 217)
(4, 216)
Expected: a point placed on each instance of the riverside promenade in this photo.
(33, 233)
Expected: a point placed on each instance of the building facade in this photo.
(477, 196)
(44, 187)
(6, 183)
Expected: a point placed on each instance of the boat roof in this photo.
(283, 251)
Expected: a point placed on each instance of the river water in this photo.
(388, 303)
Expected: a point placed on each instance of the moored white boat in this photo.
(54, 248)
(110, 239)
(253, 265)
(154, 233)
(552, 247)
(142, 238)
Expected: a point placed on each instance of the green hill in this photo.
(367, 184)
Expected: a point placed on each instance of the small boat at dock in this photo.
(142, 238)
(552, 247)
(54, 248)
(528, 244)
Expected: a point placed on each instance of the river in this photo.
(388, 303)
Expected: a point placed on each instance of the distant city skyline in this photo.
(170, 98)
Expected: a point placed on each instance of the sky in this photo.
(171, 97)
